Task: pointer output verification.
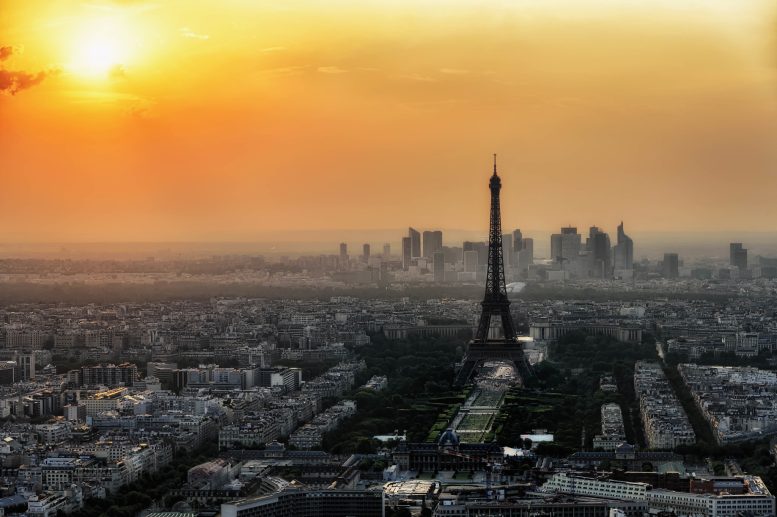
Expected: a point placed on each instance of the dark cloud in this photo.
(14, 81)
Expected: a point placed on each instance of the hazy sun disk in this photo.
(99, 46)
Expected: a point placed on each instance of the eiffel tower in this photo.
(484, 347)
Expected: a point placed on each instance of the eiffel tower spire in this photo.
(495, 302)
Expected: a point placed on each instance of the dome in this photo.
(449, 437)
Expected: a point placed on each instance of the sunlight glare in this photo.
(98, 47)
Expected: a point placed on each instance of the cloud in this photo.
(454, 71)
(331, 70)
(186, 32)
(285, 70)
(273, 49)
(14, 81)
(417, 77)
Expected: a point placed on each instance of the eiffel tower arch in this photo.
(485, 346)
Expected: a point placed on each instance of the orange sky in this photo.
(194, 120)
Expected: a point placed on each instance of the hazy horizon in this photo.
(651, 245)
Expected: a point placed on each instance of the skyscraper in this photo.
(471, 261)
(343, 254)
(565, 246)
(517, 240)
(601, 255)
(738, 255)
(508, 252)
(415, 242)
(406, 253)
(480, 247)
(366, 252)
(386, 251)
(432, 243)
(439, 266)
(671, 265)
(623, 251)
(526, 255)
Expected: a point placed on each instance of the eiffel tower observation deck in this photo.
(497, 342)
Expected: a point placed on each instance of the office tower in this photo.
(623, 251)
(453, 254)
(343, 253)
(601, 255)
(480, 247)
(589, 242)
(517, 240)
(565, 246)
(432, 243)
(526, 255)
(415, 242)
(406, 252)
(439, 266)
(738, 255)
(471, 261)
(386, 251)
(671, 266)
(507, 250)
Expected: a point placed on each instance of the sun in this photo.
(99, 47)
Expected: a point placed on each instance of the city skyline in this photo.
(197, 320)
(169, 122)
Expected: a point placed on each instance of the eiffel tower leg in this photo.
(465, 372)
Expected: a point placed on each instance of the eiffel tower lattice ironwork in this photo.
(484, 347)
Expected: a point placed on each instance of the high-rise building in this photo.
(565, 246)
(366, 252)
(407, 252)
(480, 247)
(415, 242)
(471, 261)
(738, 255)
(507, 250)
(623, 252)
(453, 254)
(439, 266)
(671, 265)
(601, 254)
(432, 243)
(343, 254)
(526, 255)
(386, 251)
(589, 242)
(517, 240)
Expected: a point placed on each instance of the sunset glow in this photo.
(98, 47)
(177, 121)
